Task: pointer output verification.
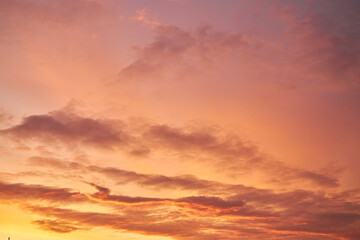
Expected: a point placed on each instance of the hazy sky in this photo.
(179, 119)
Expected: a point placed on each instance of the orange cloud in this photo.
(262, 212)
(327, 48)
(63, 127)
(141, 16)
(225, 151)
(277, 80)
(55, 226)
(5, 117)
(22, 192)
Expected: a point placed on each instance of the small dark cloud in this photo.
(192, 202)
(60, 126)
(23, 192)
(55, 226)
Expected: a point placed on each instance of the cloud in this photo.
(152, 181)
(307, 211)
(63, 12)
(326, 40)
(212, 65)
(253, 202)
(294, 215)
(55, 226)
(231, 151)
(227, 152)
(176, 54)
(207, 142)
(54, 163)
(66, 128)
(179, 229)
(150, 225)
(23, 192)
(315, 44)
(202, 203)
(141, 16)
(247, 212)
(5, 117)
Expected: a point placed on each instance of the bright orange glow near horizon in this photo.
(179, 119)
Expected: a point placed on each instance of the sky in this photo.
(180, 119)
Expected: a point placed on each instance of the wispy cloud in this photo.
(259, 211)
(55, 226)
(225, 151)
(142, 16)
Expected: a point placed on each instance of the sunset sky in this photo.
(179, 119)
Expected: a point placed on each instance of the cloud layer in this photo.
(225, 151)
(185, 120)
